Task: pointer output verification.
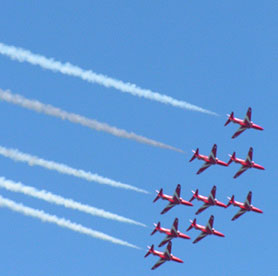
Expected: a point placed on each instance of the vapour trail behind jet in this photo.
(78, 119)
(62, 168)
(88, 75)
(27, 211)
(59, 200)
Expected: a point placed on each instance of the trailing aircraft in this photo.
(206, 230)
(209, 201)
(174, 200)
(246, 164)
(244, 124)
(170, 233)
(244, 207)
(209, 160)
(164, 256)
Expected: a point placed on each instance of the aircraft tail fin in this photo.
(232, 158)
(192, 224)
(157, 227)
(159, 194)
(195, 195)
(196, 153)
(231, 200)
(231, 117)
(150, 251)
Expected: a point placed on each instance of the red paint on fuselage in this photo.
(210, 201)
(169, 233)
(248, 164)
(246, 124)
(207, 230)
(211, 160)
(166, 257)
(174, 200)
(246, 207)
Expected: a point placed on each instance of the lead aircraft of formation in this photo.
(209, 160)
(244, 124)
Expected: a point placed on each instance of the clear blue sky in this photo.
(220, 56)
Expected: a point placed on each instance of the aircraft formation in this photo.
(208, 201)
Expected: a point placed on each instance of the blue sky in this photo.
(220, 56)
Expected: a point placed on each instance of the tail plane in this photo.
(231, 117)
(196, 153)
(159, 194)
(192, 223)
(232, 158)
(195, 195)
(150, 251)
(231, 200)
(157, 227)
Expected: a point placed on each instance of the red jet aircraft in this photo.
(208, 230)
(244, 207)
(170, 233)
(209, 201)
(244, 124)
(174, 200)
(164, 256)
(209, 160)
(246, 164)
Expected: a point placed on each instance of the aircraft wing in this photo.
(204, 167)
(238, 214)
(203, 208)
(167, 239)
(249, 156)
(248, 199)
(177, 193)
(201, 236)
(212, 194)
(239, 131)
(241, 170)
(168, 250)
(213, 152)
(210, 222)
(168, 207)
(247, 118)
(174, 229)
(158, 263)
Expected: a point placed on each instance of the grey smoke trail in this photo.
(78, 119)
(62, 168)
(27, 211)
(68, 203)
(88, 75)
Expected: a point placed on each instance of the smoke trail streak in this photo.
(22, 55)
(62, 168)
(78, 119)
(68, 203)
(27, 211)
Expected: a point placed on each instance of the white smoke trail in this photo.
(62, 168)
(88, 75)
(27, 211)
(68, 203)
(78, 119)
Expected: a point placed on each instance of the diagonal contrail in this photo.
(27, 211)
(62, 168)
(90, 76)
(59, 200)
(78, 119)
